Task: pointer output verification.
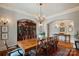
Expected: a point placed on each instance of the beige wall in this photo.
(12, 32)
(72, 16)
(13, 17)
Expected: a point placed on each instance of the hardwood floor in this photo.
(4, 53)
(64, 49)
(74, 52)
(65, 45)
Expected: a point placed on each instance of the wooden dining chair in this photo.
(77, 45)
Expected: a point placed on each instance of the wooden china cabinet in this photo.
(26, 29)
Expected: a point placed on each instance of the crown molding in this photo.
(48, 17)
(16, 10)
(65, 12)
(62, 13)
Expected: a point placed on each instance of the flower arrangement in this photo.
(42, 35)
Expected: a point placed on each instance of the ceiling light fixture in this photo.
(3, 20)
(41, 18)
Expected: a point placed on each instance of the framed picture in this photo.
(62, 29)
(4, 29)
(4, 36)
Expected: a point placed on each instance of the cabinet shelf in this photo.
(26, 31)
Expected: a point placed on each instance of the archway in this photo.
(62, 27)
(26, 29)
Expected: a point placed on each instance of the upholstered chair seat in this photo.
(16, 52)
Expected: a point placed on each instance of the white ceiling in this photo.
(47, 9)
(33, 9)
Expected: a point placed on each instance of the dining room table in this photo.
(27, 44)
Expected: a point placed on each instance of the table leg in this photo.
(69, 38)
(65, 39)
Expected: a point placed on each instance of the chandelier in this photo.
(3, 20)
(40, 18)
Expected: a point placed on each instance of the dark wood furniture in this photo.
(46, 46)
(42, 48)
(26, 29)
(77, 45)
